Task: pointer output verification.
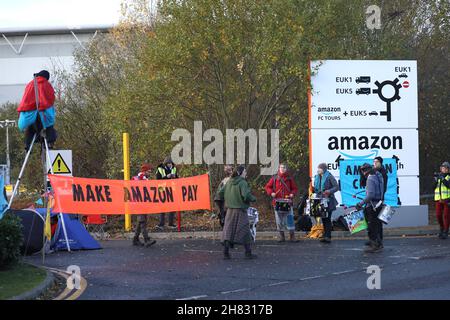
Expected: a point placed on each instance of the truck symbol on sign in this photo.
(363, 91)
(363, 79)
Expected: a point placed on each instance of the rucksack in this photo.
(304, 223)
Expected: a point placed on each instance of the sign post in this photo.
(126, 172)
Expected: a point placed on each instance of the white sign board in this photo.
(363, 109)
(332, 145)
(61, 162)
(364, 94)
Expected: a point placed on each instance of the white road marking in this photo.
(354, 249)
(233, 291)
(193, 297)
(199, 250)
(310, 278)
(278, 283)
(342, 272)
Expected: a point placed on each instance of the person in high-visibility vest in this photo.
(166, 170)
(442, 199)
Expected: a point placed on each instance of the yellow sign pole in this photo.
(126, 172)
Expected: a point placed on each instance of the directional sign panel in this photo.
(61, 162)
(364, 94)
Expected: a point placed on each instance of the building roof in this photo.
(50, 30)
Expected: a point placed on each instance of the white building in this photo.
(24, 52)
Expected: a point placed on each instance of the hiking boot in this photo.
(281, 238)
(159, 228)
(325, 240)
(172, 226)
(373, 248)
(137, 242)
(149, 243)
(441, 234)
(249, 255)
(292, 238)
(445, 235)
(226, 250)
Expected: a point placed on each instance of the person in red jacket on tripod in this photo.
(282, 188)
(38, 113)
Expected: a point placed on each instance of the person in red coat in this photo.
(282, 187)
(32, 119)
(141, 223)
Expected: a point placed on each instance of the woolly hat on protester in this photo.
(446, 165)
(379, 159)
(365, 167)
(145, 167)
(43, 73)
(168, 160)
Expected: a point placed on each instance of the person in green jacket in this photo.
(237, 196)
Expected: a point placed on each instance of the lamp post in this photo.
(6, 124)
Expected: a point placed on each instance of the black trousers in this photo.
(162, 219)
(50, 133)
(327, 225)
(375, 226)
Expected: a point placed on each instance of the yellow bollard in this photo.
(126, 173)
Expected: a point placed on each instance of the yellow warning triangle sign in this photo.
(59, 165)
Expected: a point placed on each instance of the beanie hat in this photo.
(379, 159)
(145, 167)
(446, 165)
(365, 167)
(167, 160)
(43, 73)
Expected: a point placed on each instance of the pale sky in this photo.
(58, 13)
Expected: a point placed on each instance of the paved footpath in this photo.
(412, 268)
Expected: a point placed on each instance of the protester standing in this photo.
(166, 170)
(282, 187)
(372, 202)
(228, 170)
(378, 166)
(141, 223)
(325, 185)
(442, 199)
(237, 196)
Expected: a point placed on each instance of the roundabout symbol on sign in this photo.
(396, 86)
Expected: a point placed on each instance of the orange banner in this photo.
(103, 196)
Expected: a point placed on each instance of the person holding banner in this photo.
(325, 185)
(141, 223)
(237, 196)
(228, 170)
(442, 199)
(372, 202)
(282, 187)
(166, 170)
